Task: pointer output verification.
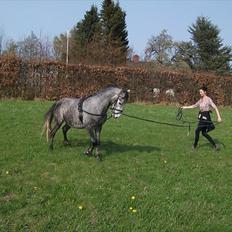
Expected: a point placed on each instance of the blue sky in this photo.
(144, 17)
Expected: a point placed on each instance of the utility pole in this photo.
(67, 40)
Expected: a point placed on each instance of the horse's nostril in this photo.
(116, 116)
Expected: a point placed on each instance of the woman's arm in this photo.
(219, 119)
(188, 107)
(218, 114)
(192, 106)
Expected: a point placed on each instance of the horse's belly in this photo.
(74, 123)
(77, 125)
(73, 120)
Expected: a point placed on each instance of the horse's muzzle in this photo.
(117, 115)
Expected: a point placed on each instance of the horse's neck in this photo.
(104, 100)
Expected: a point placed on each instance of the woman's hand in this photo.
(219, 119)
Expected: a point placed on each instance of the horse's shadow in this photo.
(110, 148)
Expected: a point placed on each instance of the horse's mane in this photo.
(99, 92)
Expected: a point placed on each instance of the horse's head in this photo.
(120, 100)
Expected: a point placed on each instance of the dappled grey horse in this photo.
(88, 112)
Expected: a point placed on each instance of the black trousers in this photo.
(205, 134)
(205, 125)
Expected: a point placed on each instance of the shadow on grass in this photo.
(207, 144)
(109, 147)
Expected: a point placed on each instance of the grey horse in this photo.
(89, 113)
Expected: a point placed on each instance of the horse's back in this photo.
(69, 100)
(68, 110)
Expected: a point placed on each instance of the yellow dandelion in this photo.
(131, 208)
(165, 161)
(80, 207)
(7, 172)
(133, 197)
(134, 210)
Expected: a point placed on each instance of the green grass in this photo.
(175, 189)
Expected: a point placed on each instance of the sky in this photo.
(144, 18)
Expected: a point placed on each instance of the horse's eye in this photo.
(120, 103)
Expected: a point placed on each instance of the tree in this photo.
(212, 54)
(29, 48)
(160, 48)
(45, 48)
(98, 38)
(11, 48)
(84, 35)
(130, 53)
(1, 40)
(185, 52)
(114, 32)
(59, 47)
(33, 48)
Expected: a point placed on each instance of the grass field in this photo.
(175, 188)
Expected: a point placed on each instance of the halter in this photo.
(113, 104)
(126, 97)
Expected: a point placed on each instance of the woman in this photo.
(205, 124)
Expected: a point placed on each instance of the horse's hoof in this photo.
(88, 153)
(66, 143)
(98, 157)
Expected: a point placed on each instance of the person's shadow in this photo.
(207, 144)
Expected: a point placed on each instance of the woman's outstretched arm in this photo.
(188, 107)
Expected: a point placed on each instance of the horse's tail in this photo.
(48, 120)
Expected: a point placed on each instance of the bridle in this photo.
(113, 106)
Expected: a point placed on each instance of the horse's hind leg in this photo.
(53, 133)
(65, 129)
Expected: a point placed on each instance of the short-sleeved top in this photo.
(205, 103)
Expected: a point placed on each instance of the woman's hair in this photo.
(204, 88)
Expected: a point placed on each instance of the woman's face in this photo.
(202, 92)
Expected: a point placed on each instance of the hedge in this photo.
(53, 80)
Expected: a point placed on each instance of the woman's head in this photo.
(203, 90)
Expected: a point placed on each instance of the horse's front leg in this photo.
(89, 150)
(98, 132)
